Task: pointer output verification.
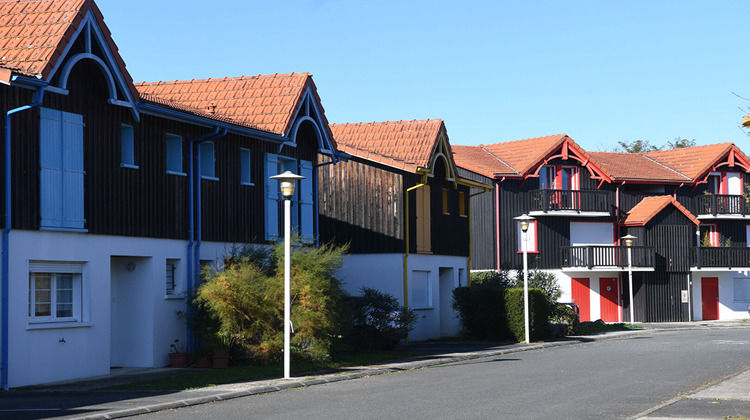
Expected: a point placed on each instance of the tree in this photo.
(679, 143)
(636, 146)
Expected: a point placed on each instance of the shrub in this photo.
(566, 315)
(247, 297)
(539, 279)
(539, 314)
(378, 321)
(481, 311)
(489, 278)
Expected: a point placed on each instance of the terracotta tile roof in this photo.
(33, 33)
(403, 144)
(692, 161)
(649, 207)
(634, 166)
(266, 102)
(523, 155)
(477, 159)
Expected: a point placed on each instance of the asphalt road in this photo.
(615, 378)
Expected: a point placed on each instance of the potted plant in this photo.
(203, 357)
(222, 350)
(178, 355)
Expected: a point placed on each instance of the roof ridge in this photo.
(527, 139)
(414, 121)
(225, 79)
(665, 166)
(500, 160)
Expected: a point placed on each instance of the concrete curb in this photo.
(365, 372)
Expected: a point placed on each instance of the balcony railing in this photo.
(570, 200)
(722, 204)
(721, 256)
(596, 256)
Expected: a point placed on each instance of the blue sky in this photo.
(600, 71)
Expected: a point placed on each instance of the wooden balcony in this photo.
(727, 257)
(593, 203)
(722, 206)
(606, 257)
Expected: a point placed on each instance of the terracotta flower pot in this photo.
(203, 362)
(179, 360)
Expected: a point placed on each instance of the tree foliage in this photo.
(679, 143)
(636, 146)
(247, 297)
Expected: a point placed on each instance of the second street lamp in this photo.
(524, 220)
(629, 244)
(286, 183)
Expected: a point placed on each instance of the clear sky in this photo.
(599, 70)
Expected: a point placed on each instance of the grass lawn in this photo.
(243, 372)
(595, 328)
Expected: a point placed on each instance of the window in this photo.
(55, 292)
(174, 154)
(61, 170)
(742, 289)
(461, 204)
(709, 235)
(170, 277)
(424, 226)
(559, 177)
(245, 165)
(725, 183)
(208, 160)
(530, 235)
(445, 201)
(127, 147)
(303, 217)
(421, 293)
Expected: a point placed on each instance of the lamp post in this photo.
(524, 220)
(286, 182)
(629, 243)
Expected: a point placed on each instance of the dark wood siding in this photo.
(362, 203)
(658, 297)
(450, 232)
(483, 244)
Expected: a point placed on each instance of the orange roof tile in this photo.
(634, 166)
(403, 144)
(692, 161)
(477, 159)
(523, 155)
(266, 102)
(649, 207)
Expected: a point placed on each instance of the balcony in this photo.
(606, 257)
(726, 257)
(722, 206)
(591, 203)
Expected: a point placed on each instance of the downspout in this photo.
(193, 266)
(37, 100)
(406, 237)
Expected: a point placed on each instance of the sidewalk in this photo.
(80, 400)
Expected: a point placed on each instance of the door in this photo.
(581, 291)
(609, 292)
(710, 297)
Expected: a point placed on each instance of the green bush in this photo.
(489, 278)
(566, 315)
(481, 311)
(247, 297)
(378, 321)
(539, 314)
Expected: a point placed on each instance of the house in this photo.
(585, 202)
(403, 209)
(117, 193)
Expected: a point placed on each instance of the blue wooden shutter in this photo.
(50, 162)
(72, 177)
(272, 197)
(306, 201)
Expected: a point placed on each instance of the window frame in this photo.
(713, 234)
(55, 271)
(207, 170)
(415, 286)
(246, 165)
(172, 141)
(462, 204)
(127, 146)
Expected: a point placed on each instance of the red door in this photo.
(580, 289)
(609, 292)
(710, 300)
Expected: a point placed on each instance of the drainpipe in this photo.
(193, 248)
(406, 254)
(37, 100)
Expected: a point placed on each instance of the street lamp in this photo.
(524, 220)
(629, 244)
(286, 182)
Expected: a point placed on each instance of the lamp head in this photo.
(286, 183)
(628, 239)
(524, 220)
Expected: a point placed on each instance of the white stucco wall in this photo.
(729, 307)
(385, 272)
(124, 309)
